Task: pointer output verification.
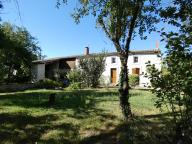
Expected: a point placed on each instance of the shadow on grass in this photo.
(22, 128)
(66, 99)
(141, 130)
(79, 101)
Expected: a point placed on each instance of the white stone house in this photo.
(136, 65)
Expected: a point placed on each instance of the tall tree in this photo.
(121, 21)
(17, 51)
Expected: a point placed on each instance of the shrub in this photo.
(47, 84)
(74, 76)
(133, 80)
(92, 67)
(75, 79)
(75, 85)
(104, 81)
(174, 89)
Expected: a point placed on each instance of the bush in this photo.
(47, 84)
(104, 81)
(133, 80)
(74, 76)
(75, 85)
(92, 67)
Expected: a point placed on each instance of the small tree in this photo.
(92, 67)
(173, 87)
(174, 90)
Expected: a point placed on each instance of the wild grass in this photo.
(79, 117)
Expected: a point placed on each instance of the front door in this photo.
(136, 71)
(113, 75)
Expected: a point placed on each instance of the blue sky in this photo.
(56, 31)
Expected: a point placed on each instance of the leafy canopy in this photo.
(173, 88)
(17, 51)
(119, 19)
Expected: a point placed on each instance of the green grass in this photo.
(78, 116)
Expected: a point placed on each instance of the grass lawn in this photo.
(79, 116)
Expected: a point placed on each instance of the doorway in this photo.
(113, 75)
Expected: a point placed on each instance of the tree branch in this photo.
(132, 25)
(105, 29)
(114, 40)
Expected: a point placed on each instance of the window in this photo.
(135, 59)
(113, 60)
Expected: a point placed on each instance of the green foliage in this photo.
(75, 85)
(17, 51)
(74, 76)
(133, 80)
(119, 18)
(173, 89)
(92, 67)
(75, 79)
(47, 84)
(173, 85)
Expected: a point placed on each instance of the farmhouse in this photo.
(53, 67)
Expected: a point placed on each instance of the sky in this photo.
(57, 33)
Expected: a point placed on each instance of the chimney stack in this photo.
(86, 51)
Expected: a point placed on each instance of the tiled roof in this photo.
(135, 52)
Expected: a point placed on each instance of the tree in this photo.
(121, 20)
(17, 51)
(92, 67)
(173, 88)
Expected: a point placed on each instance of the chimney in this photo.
(157, 45)
(86, 51)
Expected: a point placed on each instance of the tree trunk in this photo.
(124, 89)
(9, 75)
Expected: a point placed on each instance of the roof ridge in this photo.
(149, 51)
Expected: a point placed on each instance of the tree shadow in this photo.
(22, 128)
(140, 130)
(64, 99)
(81, 102)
